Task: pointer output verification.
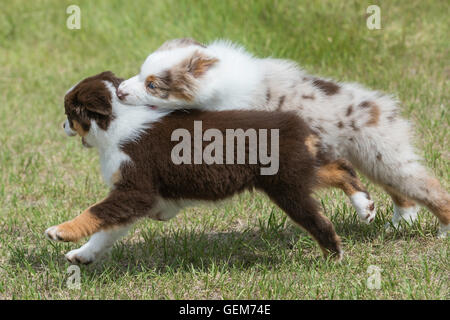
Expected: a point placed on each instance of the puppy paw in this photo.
(369, 212)
(364, 206)
(80, 256)
(407, 215)
(338, 256)
(71, 231)
(444, 231)
(54, 233)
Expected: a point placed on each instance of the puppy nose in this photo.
(120, 94)
(64, 125)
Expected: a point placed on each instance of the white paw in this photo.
(53, 234)
(408, 215)
(364, 207)
(340, 256)
(81, 256)
(444, 231)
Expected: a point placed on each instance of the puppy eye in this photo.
(151, 85)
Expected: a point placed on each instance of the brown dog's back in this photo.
(153, 164)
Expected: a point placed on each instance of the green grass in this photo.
(245, 248)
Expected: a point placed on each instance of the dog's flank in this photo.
(352, 122)
(262, 146)
(146, 183)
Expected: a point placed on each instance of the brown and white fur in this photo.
(352, 122)
(135, 146)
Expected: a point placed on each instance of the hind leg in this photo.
(340, 174)
(426, 190)
(303, 210)
(381, 149)
(407, 181)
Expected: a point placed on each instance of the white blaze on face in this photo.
(69, 130)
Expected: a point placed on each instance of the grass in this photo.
(245, 248)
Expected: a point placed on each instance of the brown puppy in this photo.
(152, 175)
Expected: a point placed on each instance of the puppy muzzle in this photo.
(68, 130)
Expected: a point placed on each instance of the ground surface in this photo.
(245, 248)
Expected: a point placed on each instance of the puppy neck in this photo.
(127, 124)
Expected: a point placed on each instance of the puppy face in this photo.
(169, 76)
(89, 100)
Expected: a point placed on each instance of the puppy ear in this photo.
(100, 110)
(199, 63)
(111, 77)
(99, 103)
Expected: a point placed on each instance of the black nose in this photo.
(121, 95)
(64, 125)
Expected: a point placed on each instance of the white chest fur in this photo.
(128, 125)
(110, 161)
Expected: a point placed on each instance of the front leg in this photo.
(97, 245)
(119, 209)
(82, 226)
